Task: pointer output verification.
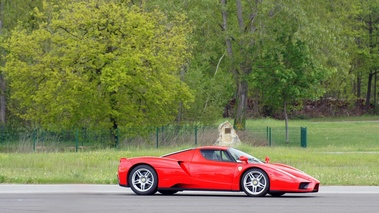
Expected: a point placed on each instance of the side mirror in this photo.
(244, 159)
(267, 159)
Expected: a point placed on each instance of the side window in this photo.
(216, 155)
(225, 156)
(209, 154)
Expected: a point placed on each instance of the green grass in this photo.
(83, 167)
(100, 167)
(343, 151)
(348, 134)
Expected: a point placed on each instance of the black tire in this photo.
(255, 182)
(143, 180)
(167, 191)
(276, 194)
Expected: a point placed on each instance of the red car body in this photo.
(212, 168)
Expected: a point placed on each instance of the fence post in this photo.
(303, 134)
(269, 136)
(157, 137)
(34, 138)
(195, 135)
(117, 137)
(2, 134)
(76, 140)
(163, 134)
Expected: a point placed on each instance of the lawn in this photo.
(100, 167)
(340, 152)
(339, 134)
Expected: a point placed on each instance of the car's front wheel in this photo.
(255, 182)
(143, 180)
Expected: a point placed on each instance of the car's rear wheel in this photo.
(143, 180)
(255, 182)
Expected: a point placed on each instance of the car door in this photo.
(212, 169)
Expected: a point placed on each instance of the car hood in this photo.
(290, 171)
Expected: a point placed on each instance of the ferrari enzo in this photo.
(212, 168)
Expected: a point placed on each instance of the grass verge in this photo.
(100, 167)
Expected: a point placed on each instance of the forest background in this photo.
(114, 64)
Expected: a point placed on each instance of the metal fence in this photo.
(22, 140)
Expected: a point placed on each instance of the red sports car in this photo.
(212, 168)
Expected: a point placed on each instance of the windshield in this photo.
(236, 154)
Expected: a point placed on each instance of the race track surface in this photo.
(112, 198)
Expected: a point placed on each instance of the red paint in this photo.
(189, 170)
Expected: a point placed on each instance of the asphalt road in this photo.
(112, 198)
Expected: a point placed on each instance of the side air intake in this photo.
(303, 185)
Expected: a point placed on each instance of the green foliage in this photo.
(116, 62)
(96, 63)
(207, 74)
(297, 55)
(211, 93)
(359, 20)
(289, 75)
(16, 11)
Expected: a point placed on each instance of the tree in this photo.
(367, 41)
(240, 43)
(11, 12)
(98, 63)
(2, 81)
(359, 21)
(207, 73)
(298, 59)
(252, 29)
(288, 76)
(279, 28)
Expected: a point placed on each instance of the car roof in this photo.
(213, 147)
(200, 147)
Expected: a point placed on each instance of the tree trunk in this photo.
(375, 92)
(225, 27)
(3, 101)
(114, 129)
(114, 133)
(179, 117)
(243, 68)
(368, 95)
(241, 105)
(2, 80)
(359, 85)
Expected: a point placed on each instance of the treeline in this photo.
(69, 64)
